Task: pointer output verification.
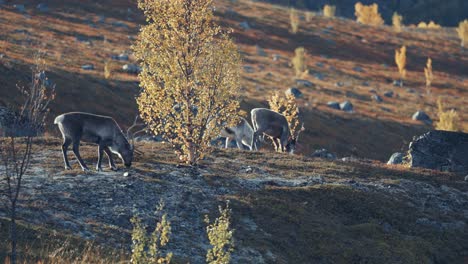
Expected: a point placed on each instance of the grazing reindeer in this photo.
(101, 130)
(274, 125)
(242, 133)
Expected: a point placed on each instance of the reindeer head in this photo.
(127, 152)
(291, 146)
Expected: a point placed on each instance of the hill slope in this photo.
(347, 61)
(286, 209)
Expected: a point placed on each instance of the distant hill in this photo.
(447, 13)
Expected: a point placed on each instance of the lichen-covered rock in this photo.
(440, 150)
(396, 158)
(295, 92)
(422, 116)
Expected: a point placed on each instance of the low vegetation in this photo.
(368, 14)
(221, 237)
(430, 25)
(329, 10)
(299, 61)
(449, 120)
(462, 31)
(294, 20)
(397, 22)
(400, 60)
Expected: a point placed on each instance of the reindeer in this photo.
(242, 133)
(275, 126)
(101, 130)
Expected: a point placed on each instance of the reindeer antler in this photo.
(131, 136)
(300, 131)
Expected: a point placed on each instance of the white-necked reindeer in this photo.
(275, 126)
(242, 133)
(101, 130)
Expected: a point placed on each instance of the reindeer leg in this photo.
(228, 140)
(100, 154)
(275, 144)
(239, 144)
(66, 143)
(76, 151)
(111, 160)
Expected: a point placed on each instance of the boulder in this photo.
(304, 83)
(396, 158)
(377, 98)
(440, 150)
(20, 8)
(120, 57)
(334, 105)
(323, 153)
(276, 57)
(131, 68)
(388, 94)
(87, 67)
(295, 92)
(422, 116)
(245, 25)
(42, 7)
(397, 83)
(346, 106)
(260, 51)
(248, 69)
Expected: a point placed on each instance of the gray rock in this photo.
(358, 69)
(440, 150)
(304, 83)
(120, 57)
(365, 83)
(248, 69)
(43, 7)
(20, 8)
(422, 116)
(245, 25)
(334, 105)
(295, 92)
(131, 68)
(319, 64)
(319, 76)
(388, 94)
(377, 98)
(346, 106)
(323, 153)
(119, 24)
(339, 84)
(396, 158)
(397, 83)
(466, 178)
(410, 90)
(88, 67)
(276, 57)
(260, 51)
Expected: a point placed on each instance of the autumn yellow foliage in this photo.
(329, 10)
(299, 61)
(400, 60)
(397, 22)
(368, 14)
(430, 25)
(294, 20)
(428, 73)
(286, 106)
(448, 120)
(462, 31)
(190, 75)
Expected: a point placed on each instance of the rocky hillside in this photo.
(447, 13)
(285, 209)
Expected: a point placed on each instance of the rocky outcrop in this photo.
(440, 150)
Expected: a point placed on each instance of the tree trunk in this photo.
(13, 234)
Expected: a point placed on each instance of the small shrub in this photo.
(397, 21)
(368, 14)
(430, 25)
(146, 248)
(107, 70)
(309, 15)
(299, 62)
(400, 60)
(329, 10)
(221, 237)
(287, 106)
(294, 20)
(462, 31)
(428, 73)
(448, 120)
